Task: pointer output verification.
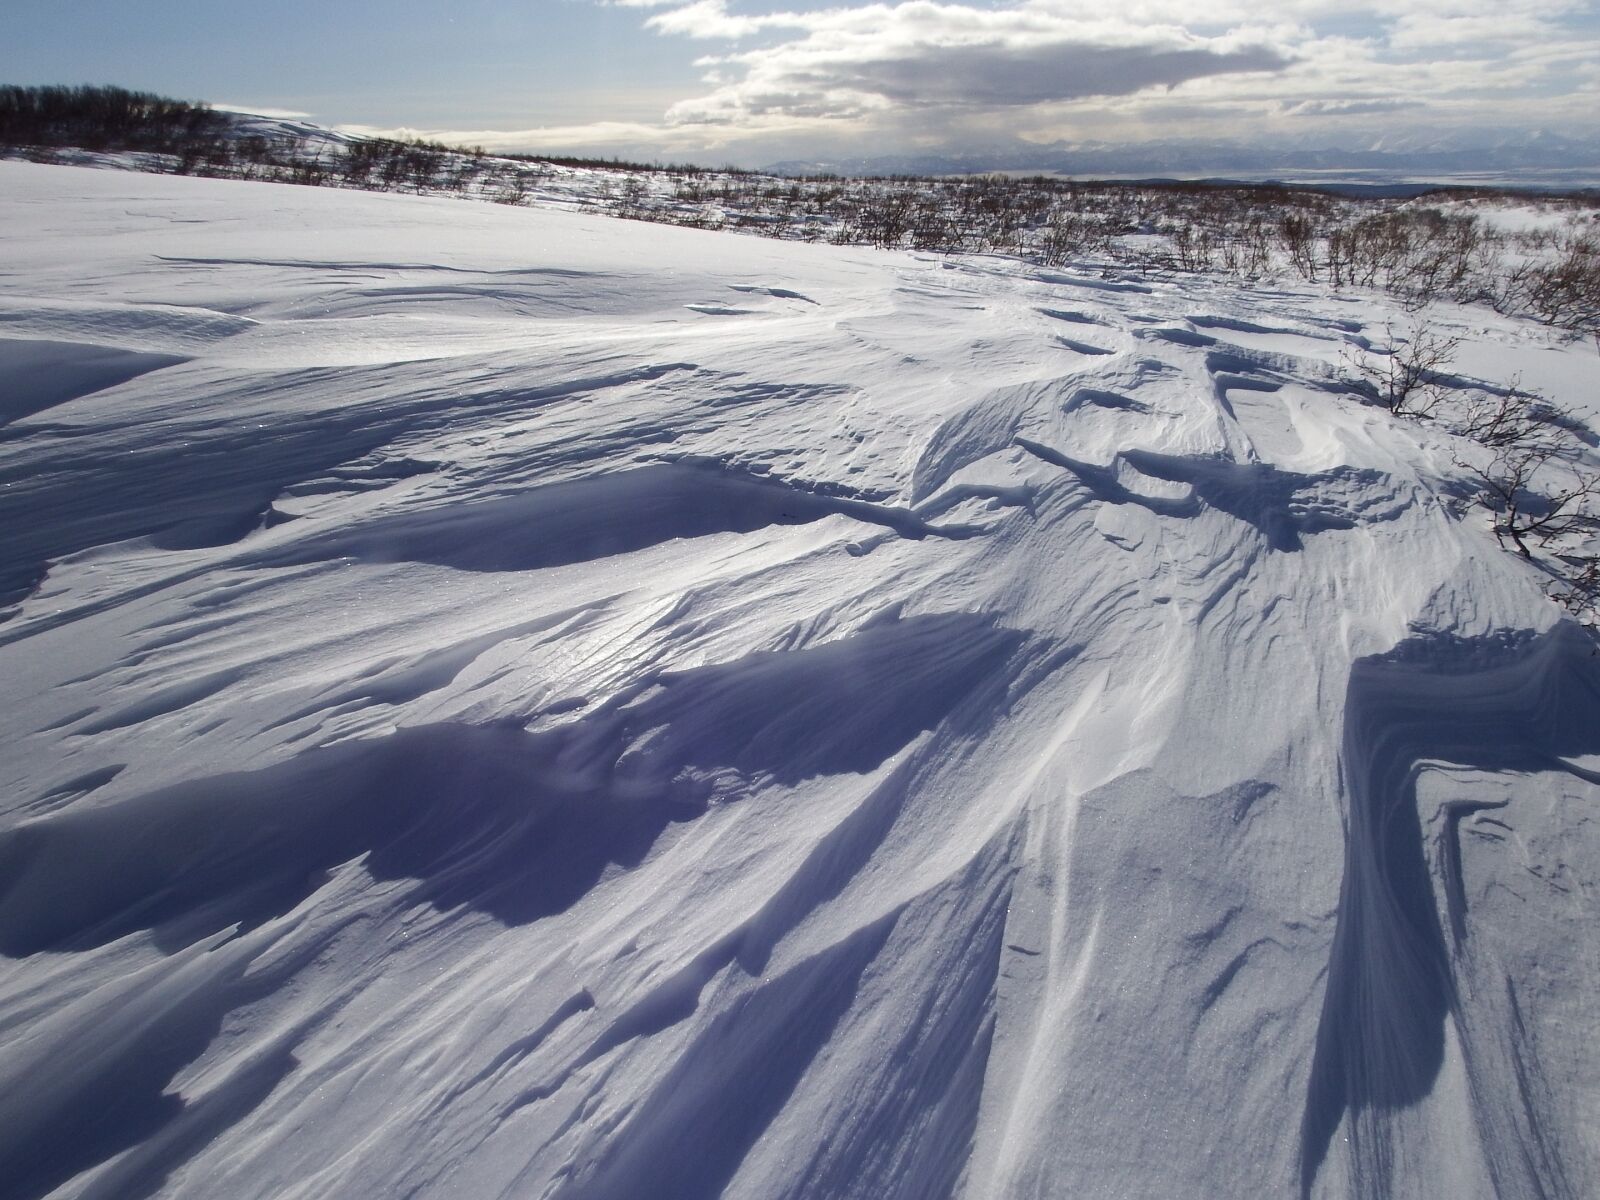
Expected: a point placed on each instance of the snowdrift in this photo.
(506, 702)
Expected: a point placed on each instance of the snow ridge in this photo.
(507, 702)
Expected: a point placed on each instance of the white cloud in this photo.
(711, 19)
(890, 74)
(259, 110)
(845, 63)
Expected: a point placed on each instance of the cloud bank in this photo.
(920, 74)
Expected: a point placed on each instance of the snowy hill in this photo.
(510, 702)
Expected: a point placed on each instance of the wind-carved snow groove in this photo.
(109, 1100)
(148, 328)
(368, 265)
(36, 376)
(598, 516)
(1319, 330)
(743, 1068)
(403, 678)
(1282, 506)
(1081, 347)
(520, 825)
(1504, 705)
(212, 485)
(1105, 398)
(778, 293)
(1070, 315)
(990, 424)
(1268, 370)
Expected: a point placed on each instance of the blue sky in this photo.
(753, 80)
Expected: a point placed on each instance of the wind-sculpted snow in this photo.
(599, 516)
(37, 375)
(1492, 705)
(1280, 505)
(502, 702)
(519, 824)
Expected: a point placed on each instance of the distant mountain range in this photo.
(1534, 158)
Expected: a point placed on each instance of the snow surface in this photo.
(506, 702)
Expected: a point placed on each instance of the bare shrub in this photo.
(886, 216)
(1406, 374)
(1537, 490)
(1192, 247)
(1298, 234)
(1068, 235)
(105, 118)
(510, 188)
(1541, 487)
(1566, 293)
(1577, 587)
(1502, 417)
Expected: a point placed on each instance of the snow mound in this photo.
(504, 702)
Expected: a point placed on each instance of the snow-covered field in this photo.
(506, 702)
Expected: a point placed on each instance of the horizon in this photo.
(754, 82)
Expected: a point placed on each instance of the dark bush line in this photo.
(625, 165)
(105, 118)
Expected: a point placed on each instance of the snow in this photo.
(506, 701)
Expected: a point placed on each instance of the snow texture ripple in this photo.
(506, 702)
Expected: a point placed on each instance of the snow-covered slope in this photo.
(505, 702)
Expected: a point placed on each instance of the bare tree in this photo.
(1406, 374)
(1566, 293)
(1536, 491)
(1299, 235)
(1503, 416)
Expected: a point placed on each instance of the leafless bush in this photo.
(1541, 487)
(1418, 255)
(1070, 234)
(885, 216)
(1246, 249)
(1577, 587)
(1502, 416)
(106, 118)
(1298, 234)
(510, 187)
(1406, 374)
(1537, 490)
(1566, 293)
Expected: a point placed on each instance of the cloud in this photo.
(986, 75)
(259, 110)
(1423, 31)
(711, 19)
(799, 78)
(848, 63)
(1348, 108)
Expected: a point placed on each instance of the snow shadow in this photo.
(209, 480)
(111, 1097)
(581, 520)
(1102, 398)
(39, 375)
(516, 824)
(1282, 506)
(1509, 704)
(689, 1135)
(183, 492)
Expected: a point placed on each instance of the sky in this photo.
(754, 81)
